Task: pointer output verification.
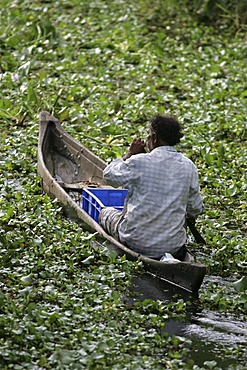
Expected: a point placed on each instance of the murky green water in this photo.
(215, 337)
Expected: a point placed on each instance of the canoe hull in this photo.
(65, 167)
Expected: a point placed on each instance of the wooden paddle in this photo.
(198, 237)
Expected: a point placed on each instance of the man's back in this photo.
(163, 187)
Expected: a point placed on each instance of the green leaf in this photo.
(244, 94)
(108, 129)
(31, 95)
(241, 284)
(28, 280)
(88, 260)
(210, 364)
(221, 150)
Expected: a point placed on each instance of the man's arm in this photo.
(119, 172)
(195, 204)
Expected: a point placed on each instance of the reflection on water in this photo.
(214, 336)
(147, 286)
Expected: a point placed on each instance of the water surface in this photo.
(214, 336)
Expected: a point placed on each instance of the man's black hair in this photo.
(167, 128)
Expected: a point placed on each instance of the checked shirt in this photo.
(162, 188)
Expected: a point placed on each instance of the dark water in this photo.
(214, 336)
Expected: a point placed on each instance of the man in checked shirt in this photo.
(163, 190)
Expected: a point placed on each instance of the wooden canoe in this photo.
(65, 167)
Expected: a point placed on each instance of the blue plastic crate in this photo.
(94, 199)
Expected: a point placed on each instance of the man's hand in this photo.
(136, 147)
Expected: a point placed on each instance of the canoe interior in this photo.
(69, 163)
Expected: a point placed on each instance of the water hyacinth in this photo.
(104, 68)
